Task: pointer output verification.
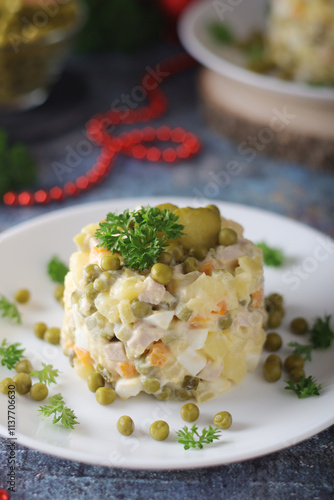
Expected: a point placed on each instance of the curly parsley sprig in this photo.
(56, 406)
(302, 350)
(10, 354)
(47, 375)
(304, 388)
(9, 310)
(139, 236)
(321, 334)
(187, 437)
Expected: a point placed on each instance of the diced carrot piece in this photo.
(126, 369)
(158, 354)
(83, 355)
(69, 344)
(206, 267)
(198, 319)
(221, 308)
(257, 298)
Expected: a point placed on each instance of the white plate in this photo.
(266, 418)
(244, 18)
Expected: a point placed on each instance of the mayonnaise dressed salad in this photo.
(188, 326)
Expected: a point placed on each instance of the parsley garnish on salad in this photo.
(305, 388)
(321, 333)
(272, 256)
(139, 236)
(9, 310)
(57, 270)
(190, 438)
(56, 406)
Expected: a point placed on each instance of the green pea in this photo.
(176, 252)
(296, 373)
(276, 299)
(52, 335)
(39, 391)
(39, 330)
(214, 208)
(165, 258)
(198, 252)
(227, 237)
(190, 383)
(7, 384)
(59, 292)
(190, 264)
(22, 382)
(22, 296)
(224, 322)
(162, 273)
(293, 361)
(159, 430)
(100, 285)
(274, 358)
(151, 385)
(110, 263)
(105, 395)
(189, 412)
(141, 309)
(273, 342)
(165, 393)
(23, 366)
(299, 326)
(271, 371)
(94, 381)
(91, 272)
(274, 319)
(90, 291)
(183, 313)
(223, 420)
(125, 425)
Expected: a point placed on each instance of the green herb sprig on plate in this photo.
(272, 256)
(10, 354)
(9, 310)
(47, 375)
(139, 236)
(304, 388)
(61, 413)
(57, 270)
(190, 438)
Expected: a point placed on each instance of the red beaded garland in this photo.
(4, 495)
(139, 144)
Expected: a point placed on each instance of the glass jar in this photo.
(35, 40)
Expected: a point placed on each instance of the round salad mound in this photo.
(178, 318)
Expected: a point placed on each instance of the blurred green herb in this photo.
(9, 310)
(10, 354)
(272, 256)
(302, 350)
(321, 333)
(47, 375)
(57, 270)
(17, 167)
(221, 33)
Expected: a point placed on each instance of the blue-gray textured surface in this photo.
(303, 471)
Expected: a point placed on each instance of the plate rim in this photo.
(234, 72)
(83, 456)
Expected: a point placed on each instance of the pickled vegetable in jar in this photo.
(35, 39)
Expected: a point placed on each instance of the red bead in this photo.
(56, 193)
(41, 196)
(153, 154)
(82, 183)
(139, 151)
(177, 134)
(25, 198)
(169, 155)
(70, 188)
(163, 133)
(10, 198)
(4, 495)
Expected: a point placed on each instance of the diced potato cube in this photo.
(108, 306)
(235, 367)
(217, 345)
